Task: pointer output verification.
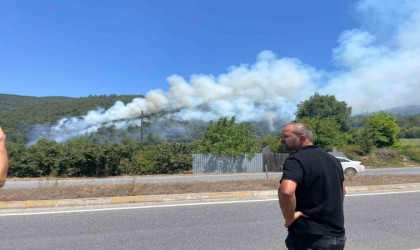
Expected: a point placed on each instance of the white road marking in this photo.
(383, 192)
(138, 207)
(188, 204)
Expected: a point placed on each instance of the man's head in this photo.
(296, 136)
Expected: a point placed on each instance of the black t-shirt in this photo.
(319, 193)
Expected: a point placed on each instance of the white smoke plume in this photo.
(378, 67)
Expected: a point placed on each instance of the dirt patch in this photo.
(92, 191)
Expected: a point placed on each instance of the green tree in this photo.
(326, 131)
(365, 141)
(383, 129)
(273, 142)
(47, 155)
(225, 137)
(81, 157)
(174, 158)
(21, 161)
(144, 161)
(325, 106)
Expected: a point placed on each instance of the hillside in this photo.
(25, 118)
(20, 115)
(17, 113)
(405, 110)
(409, 124)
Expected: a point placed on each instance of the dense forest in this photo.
(19, 113)
(409, 124)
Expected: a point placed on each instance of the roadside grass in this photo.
(400, 156)
(94, 191)
(412, 152)
(410, 142)
(383, 158)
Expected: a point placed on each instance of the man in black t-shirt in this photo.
(311, 193)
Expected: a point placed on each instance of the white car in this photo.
(351, 167)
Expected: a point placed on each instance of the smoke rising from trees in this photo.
(377, 67)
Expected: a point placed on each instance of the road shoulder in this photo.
(268, 194)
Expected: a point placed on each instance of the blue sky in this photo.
(256, 60)
(80, 48)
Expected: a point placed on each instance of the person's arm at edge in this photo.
(4, 161)
(287, 201)
(344, 190)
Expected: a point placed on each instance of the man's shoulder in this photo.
(312, 149)
(309, 152)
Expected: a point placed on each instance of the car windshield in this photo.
(343, 160)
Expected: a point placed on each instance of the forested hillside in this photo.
(19, 112)
(409, 124)
(406, 110)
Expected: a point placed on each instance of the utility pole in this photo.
(141, 128)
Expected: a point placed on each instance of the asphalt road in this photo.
(179, 178)
(380, 221)
(407, 170)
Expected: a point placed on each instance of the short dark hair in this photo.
(301, 129)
